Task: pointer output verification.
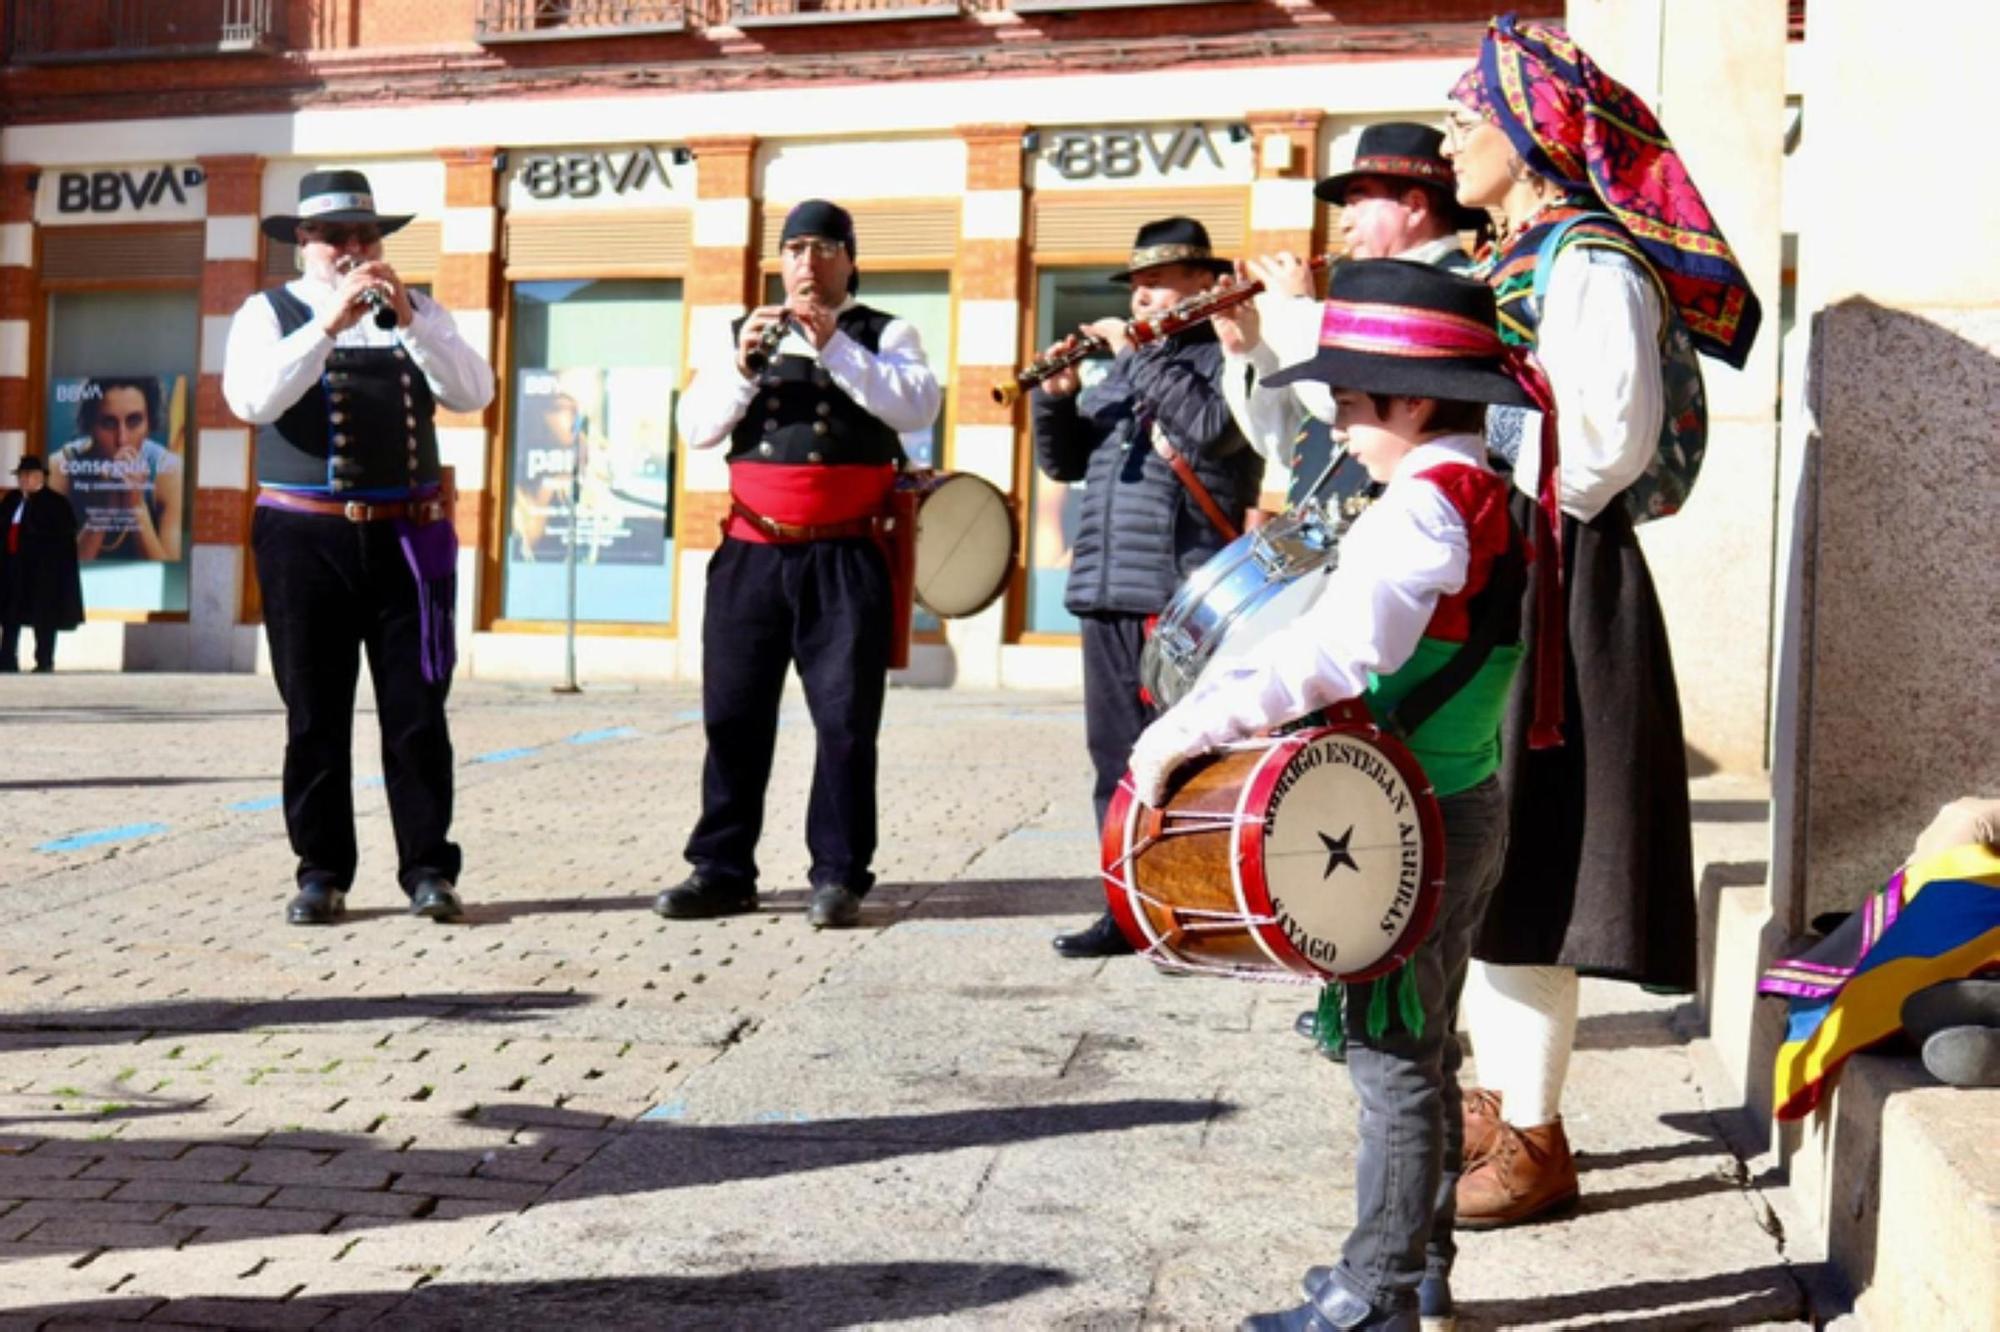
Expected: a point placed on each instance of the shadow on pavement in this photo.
(112, 1026)
(120, 715)
(832, 1295)
(1733, 1299)
(998, 898)
(1627, 1031)
(1711, 1145)
(120, 783)
(354, 1182)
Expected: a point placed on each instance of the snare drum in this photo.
(1316, 856)
(966, 541)
(1257, 584)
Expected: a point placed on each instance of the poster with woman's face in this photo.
(118, 450)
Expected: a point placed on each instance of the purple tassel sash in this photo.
(431, 551)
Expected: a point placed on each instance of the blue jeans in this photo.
(1411, 1151)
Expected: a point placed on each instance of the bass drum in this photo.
(1315, 856)
(967, 538)
(1255, 585)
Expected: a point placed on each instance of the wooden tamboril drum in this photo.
(1314, 856)
(966, 541)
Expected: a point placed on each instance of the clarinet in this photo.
(1080, 347)
(767, 342)
(371, 296)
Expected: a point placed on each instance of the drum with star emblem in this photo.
(1313, 856)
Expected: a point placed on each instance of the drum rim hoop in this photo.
(1430, 821)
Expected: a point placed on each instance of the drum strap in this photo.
(1203, 500)
(1497, 612)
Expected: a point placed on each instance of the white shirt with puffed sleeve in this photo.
(264, 371)
(894, 383)
(1599, 342)
(1406, 551)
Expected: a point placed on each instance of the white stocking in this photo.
(1523, 1023)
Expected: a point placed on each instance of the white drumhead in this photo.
(1343, 853)
(965, 543)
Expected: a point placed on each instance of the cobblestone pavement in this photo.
(567, 1111)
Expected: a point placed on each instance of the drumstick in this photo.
(1333, 462)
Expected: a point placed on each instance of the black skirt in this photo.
(1599, 873)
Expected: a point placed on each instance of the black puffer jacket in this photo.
(1140, 531)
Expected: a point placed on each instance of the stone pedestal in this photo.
(1885, 678)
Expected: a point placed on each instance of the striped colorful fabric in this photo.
(1936, 920)
(1576, 125)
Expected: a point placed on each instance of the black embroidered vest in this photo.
(801, 416)
(366, 426)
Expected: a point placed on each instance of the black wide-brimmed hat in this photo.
(334, 196)
(1411, 330)
(30, 462)
(1403, 150)
(1172, 240)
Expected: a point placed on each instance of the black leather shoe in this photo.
(1103, 938)
(434, 899)
(318, 903)
(696, 898)
(1434, 1307)
(834, 907)
(1307, 1026)
(1331, 1308)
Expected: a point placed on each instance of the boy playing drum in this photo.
(1413, 357)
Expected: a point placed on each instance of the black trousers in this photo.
(1113, 712)
(333, 589)
(826, 606)
(10, 646)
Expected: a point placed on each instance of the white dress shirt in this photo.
(264, 373)
(894, 384)
(1406, 551)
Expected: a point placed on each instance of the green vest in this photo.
(1459, 745)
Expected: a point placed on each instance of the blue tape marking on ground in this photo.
(122, 833)
(670, 1110)
(607, 733)
(259, 805)
(503, 755)
(781, 1117)
(688, 714)
(368, 783)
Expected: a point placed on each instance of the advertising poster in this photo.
(118, 450)
(1055, 510)
(609, 431)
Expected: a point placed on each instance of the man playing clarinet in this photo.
(811, 396)
(1167, 479)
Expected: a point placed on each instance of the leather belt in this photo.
(794, 533)
(432, 510)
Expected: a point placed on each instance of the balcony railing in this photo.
(65, 31)
(539, 20)
(756, 13)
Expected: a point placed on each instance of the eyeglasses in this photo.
(131, 420)
(816, 246)
(338, 236)
(1462, 125)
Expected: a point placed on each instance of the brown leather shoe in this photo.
(1529, 1173)
(1480, 1111)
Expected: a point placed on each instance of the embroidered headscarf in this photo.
(1578, 126)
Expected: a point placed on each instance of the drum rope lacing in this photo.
(1155, 952)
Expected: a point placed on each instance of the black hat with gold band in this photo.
(1402, 150)
(336, 197)
(1172, 240)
